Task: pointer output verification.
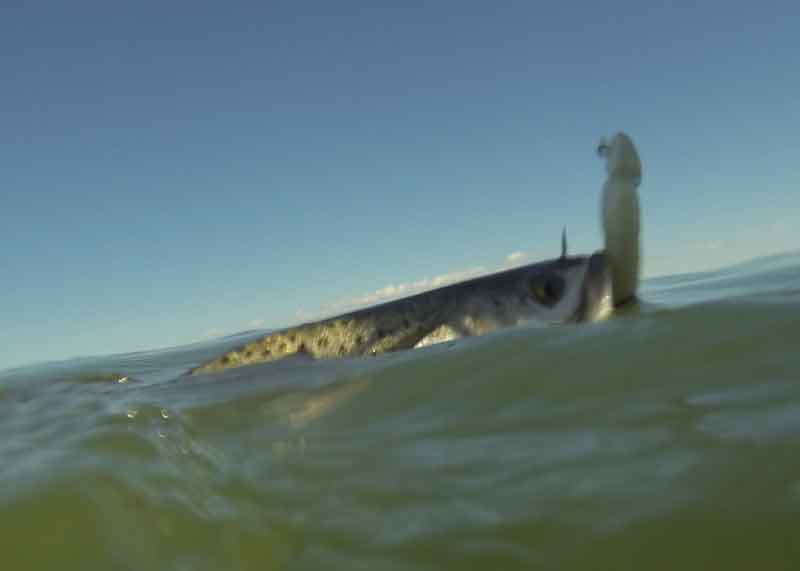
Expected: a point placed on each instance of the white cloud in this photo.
(393, 291)
(709, 245)
(405, 289)
(779, 228)
(515, 257)
(256, 323)
(214, 332)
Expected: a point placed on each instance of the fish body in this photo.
(564, 290)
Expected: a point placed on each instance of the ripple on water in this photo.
(747, 394)
(767, 425)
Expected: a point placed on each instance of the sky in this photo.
(172, 171)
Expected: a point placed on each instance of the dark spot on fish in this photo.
(381, 334)
(292, 337)
(248, 354)
(301, 348)
(359, 339)
(225, 359)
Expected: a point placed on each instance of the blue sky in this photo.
(172, 170)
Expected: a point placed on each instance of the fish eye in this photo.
(547, 289)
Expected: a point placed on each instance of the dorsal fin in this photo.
(564, 243)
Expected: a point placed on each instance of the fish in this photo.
(568, 289)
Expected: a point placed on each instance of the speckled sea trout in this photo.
(570, 289)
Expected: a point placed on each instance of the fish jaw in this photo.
(596, 296)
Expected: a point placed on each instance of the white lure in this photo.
(620, 213)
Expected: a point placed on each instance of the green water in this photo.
(667, 438)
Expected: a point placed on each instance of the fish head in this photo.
(568, 290)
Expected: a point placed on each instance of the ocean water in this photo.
(665, 438)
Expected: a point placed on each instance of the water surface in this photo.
(666, 438)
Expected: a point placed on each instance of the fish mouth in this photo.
(596, 301)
